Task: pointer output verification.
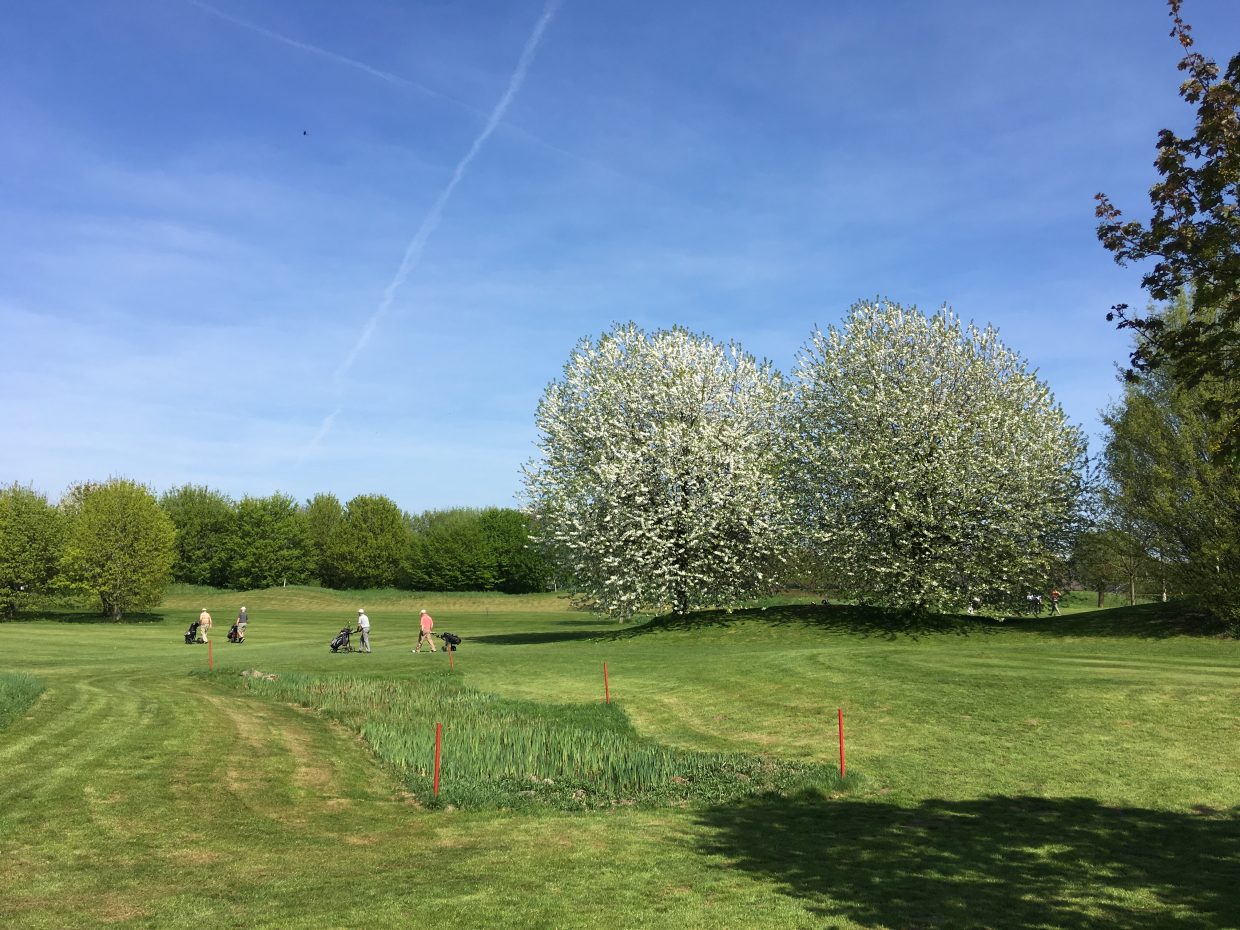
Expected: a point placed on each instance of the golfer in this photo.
(363, 627)
(204, 625)
(428, 624)
(243, 620)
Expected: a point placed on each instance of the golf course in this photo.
(1079, 771)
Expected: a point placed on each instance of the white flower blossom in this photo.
(658, 482)
(931, 467)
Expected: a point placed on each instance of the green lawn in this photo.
(1078, 772)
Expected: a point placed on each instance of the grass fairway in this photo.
(1082, 772)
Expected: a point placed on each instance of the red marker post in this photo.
(841, 742)
(450, 654)
(438, 738)
(210, 663)
(606, 686)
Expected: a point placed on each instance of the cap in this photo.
(360, 611)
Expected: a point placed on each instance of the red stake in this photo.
(841, 742)
(606, 686)
(210, 663)
(450, 665)
(438, 737)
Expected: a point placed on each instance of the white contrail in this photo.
(413, 251)
(340, 59)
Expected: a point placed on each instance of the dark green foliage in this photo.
(321, 515)
(31, 539)
(267, 546)
(204, 521)
(1193, 236)
(1171, 473)
(120, 545)
(521, 567)
(367, 547)
(465, 549)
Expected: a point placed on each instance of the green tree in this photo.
(268, 546)
(31, 540)
(449, 551)
(321, 515)
(368, 547)
(120, 545)
(203, 519)
(931, 466)
(1167, 461)
(1107, 560)
(1193, 236)
(520, 565)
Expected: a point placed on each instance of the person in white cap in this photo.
(243, 620)
(425, 636)
(363, 627)
(204, 626)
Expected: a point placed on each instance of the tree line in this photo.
(121, 543)
(1170, 506)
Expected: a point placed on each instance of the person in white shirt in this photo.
(363, 627)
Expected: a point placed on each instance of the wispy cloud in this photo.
(333, 56)
(413, 252)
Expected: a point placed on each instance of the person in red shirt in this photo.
(425, 636)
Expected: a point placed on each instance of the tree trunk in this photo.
(1132, 591)
(680, 606)
(1101, 598)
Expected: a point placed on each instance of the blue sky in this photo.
(308, 246)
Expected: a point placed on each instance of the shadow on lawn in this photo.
(993, 862)
(1149, 621)
(863, 621)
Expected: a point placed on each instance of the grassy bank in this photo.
(1065, 773)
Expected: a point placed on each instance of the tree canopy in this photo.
(120, 545)
(1193, 237)
(31, 538)
(204, 523)
(930, 465)
(658, 482)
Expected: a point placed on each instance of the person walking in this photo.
(1055, 596)
(363, 627)
(428, 624)
(204, 625)
(243, 620)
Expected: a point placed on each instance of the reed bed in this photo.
(499, 752)
(17, 692)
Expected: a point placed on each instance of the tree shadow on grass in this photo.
(1146, 621)
(993, 862)
(538, 638)
(836, 618)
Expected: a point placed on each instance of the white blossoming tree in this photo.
(658, 482)
(931, 466)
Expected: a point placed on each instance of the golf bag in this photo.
(191, 635)
(234, 634)
(341, 642)
(450, 641)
